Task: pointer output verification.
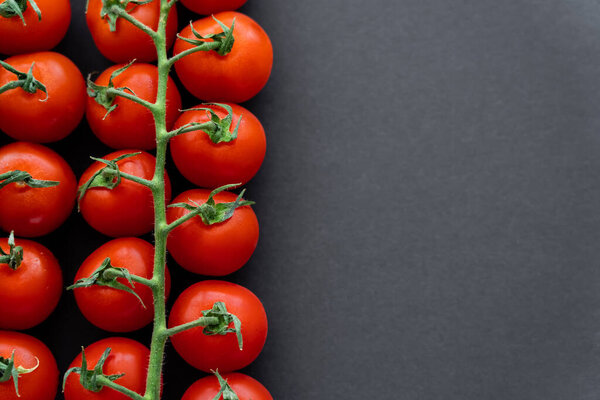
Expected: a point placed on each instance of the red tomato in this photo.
(126, 357)
(235, 77)
(219, 351)
(50, 120)
(212, 165)
(128, 42)
(40, 384)
(131, 125)
(36, 35)
(207, 7)
(128, 209)
(215, 250)
(30, 211)
(31, 292)
(244, 386)
(112, 309)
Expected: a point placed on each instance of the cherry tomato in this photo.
(207, 7)
(112, 309)
(244, 386)
(235, 77)
(131, 125)
(31, 292)
(219, 351)
(27, 116)
(126, 357)
(215, 250)
(37, 34)
(128, 209)
(30, 211)
(40, 384)
(211, 165)
(128, 42)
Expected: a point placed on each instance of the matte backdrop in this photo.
(429, 204)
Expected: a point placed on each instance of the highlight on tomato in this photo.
(244, 387)
(208, 7)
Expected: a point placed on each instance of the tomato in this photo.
(128, 209)
(212, 165)
(128, 42)
(40, 384)
(31, 292)
(235, 77)
(215, 250)
(31, 211)
(207, 7)
(126, 357)
(38, 34)
(244, 386)
(219, 351)
(131, 125)
(24, 116)
(112, 309)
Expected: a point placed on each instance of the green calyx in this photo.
(222, 42)
(226, 391)
(219, 129)
(113, 9)
(9, 371)
(224, 319)
(89, 377)
(25, 80)
(14, 257)
(213, 213)
(105, 95)
(24, 177)
(16, 8)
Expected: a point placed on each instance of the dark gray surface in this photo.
(428, 206)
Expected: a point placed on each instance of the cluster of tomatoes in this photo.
(46, 106)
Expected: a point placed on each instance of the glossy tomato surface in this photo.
(211, 165)
(245, 387)
(131, 125)
(40, 384)
(32, 212)
(30, 116)
(112, 309)
(35, 34)
(235, 77)
(128, 209)
(217, 249)
(126, 357)
(31, 292)
(128, 42)
(207, 7)
(219, 351)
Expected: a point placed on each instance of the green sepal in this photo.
(224, 39)
(25, 80)
(107, 275)
(108, 177)
(16, 8)
(220, 129)
(8, 370)
(101, 93)
(14, 257)
(213, 213)
(24, 177)
(89, 377)
(226, 391)
(107, 11)
(225, 318)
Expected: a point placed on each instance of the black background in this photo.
(429, 204)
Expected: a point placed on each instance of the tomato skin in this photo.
(32, 212)
(211, 165)
(23, 116)
(219, 351)
(42, 383)
(116, 310)
(128, 42)
(245, 387)
(208, 7)
(128, 209)
(131, 125)
(235, 77)
(30, 293)
(214, 250)
(127, 356)
(36, 35)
